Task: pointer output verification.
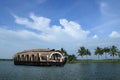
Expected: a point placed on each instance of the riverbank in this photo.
(6, 59)
(96, 61)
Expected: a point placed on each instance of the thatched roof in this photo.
(42, 51)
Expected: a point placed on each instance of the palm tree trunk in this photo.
(105, 56)
(98, 57)
(86, 57)
(113, 58)
(82, 57)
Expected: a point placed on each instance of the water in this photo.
(75, 71)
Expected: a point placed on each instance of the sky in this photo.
(68, 24)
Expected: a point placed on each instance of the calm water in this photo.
(76, 71)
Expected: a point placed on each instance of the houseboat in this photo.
(40, 57)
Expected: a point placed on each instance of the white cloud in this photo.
(109, 9)
(15, 41)
(109, 19)
(95, 37)
(114, 34)
(106, 9)
(68, 34)
(21, 34)
(37, 23)
(103, 7)
(71, 29)
(37, 33)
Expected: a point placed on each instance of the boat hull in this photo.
(29, 63)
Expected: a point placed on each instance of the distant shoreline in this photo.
(96, 61)
(6, 59)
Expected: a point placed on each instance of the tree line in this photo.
(82, 51)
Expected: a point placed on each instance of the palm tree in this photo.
(64, 52)
(81, 51)
(118, 54)
(88, 53)
(71, 58)
(98, 51)
(113, 51)
(106, 50)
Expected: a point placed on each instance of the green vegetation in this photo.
(82, 51)
(64, 52)
(71, 58)
(99, 51)
(106, 50)
(113, 51)
(97, 61)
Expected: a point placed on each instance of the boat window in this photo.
(44, 57)
(55, 57)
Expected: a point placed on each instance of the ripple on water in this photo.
(75, 71)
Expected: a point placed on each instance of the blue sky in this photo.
(27, 24)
